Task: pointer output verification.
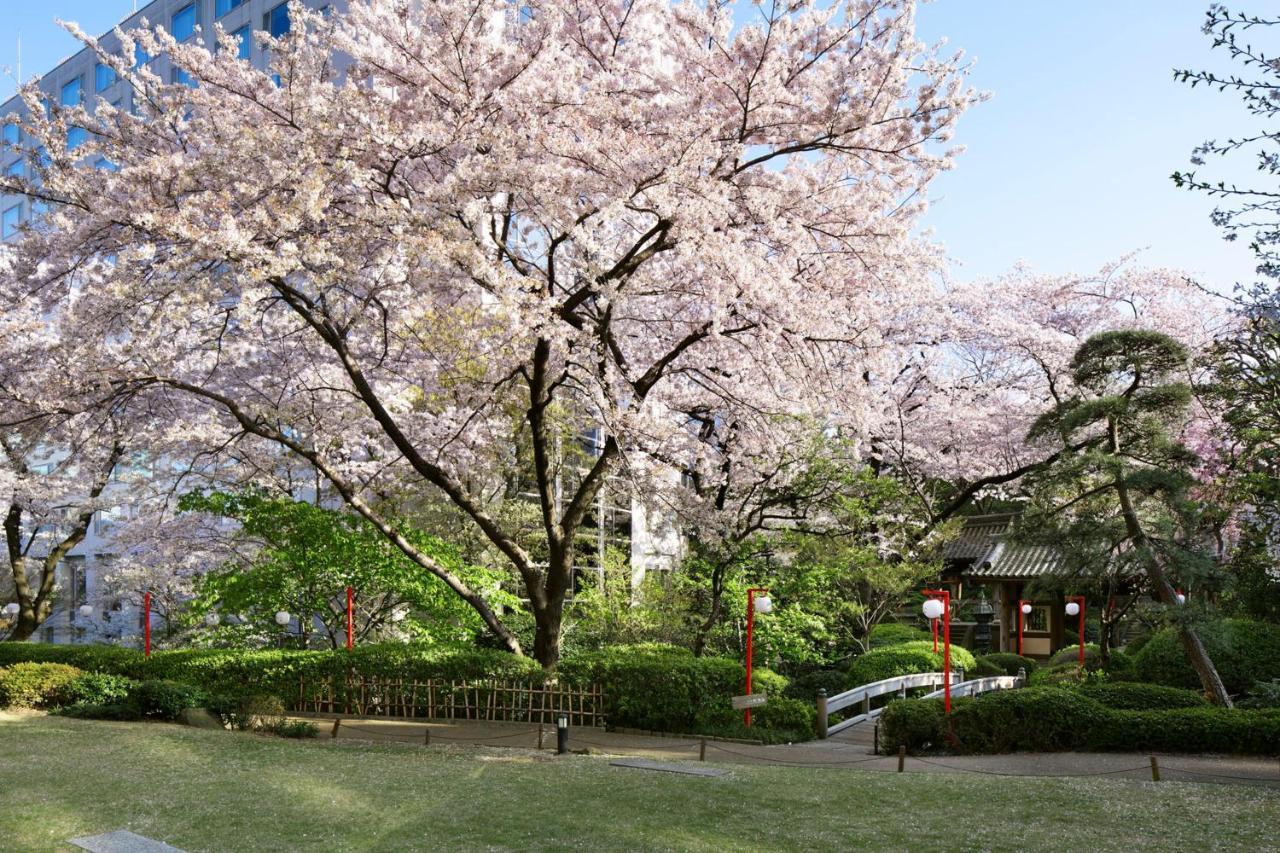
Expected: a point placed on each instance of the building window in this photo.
(71, 93)
(104, 76)
(10, 221)
(184, 22)
(276, 22)
(12, 134)
(76, 136)
(245, 34)
(178, 76)
(222, 7)
(140, 57)
(14, 169)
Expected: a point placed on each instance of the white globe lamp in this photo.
(85, 611)
(1182, 599)
(933, 608)
(282, 618)
(764, 604)
(1073, 608)
(1026, 610)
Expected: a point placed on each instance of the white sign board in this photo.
(753, 700)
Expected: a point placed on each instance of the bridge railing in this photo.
(863, 695)
(982, 685)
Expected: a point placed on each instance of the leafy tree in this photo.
(299, 557)
(1126, 482)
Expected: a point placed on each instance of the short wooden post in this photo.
(902, 757)
(702, 749)
(866, 705)
(539, 735)
(336, 723)
(426, 736)
(1155, 769)
(822, 714)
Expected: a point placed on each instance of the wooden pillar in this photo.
(1056, 615)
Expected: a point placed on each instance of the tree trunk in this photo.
(546, 639)
(717, 605)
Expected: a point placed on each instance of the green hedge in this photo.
(34, 685)
(656, 687)
(904, 659)
(1245, 652)
(1137, 696)
(1052, 719)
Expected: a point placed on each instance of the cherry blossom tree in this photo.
(431, 229)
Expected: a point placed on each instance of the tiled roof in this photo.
(983, 546)
(978, 536)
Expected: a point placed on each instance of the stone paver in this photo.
(122, 841)
(851, 750)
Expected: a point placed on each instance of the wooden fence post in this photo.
(902, 757)
(702, 749)
(1155, 769)
(822, 714)
(336, 723)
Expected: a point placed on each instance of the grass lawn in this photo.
(204, 790)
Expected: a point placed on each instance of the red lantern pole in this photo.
(945, 595)
(1020, 623)
(146, 624)
(351, 609)
(1079, 599)
(933, 623)
(751, 624)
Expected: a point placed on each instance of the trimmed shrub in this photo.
(112, 659)
(118, 712)
(1245, 652)
(1008, 663)
(904, 659)
(157, 699)
(1265, 694)
(34, 685)
(95, 688)
(806, 686)
(895, 634)
(1137, 696)
(1048, 719)
(297, 729)
(983, 668)
(1064, 666)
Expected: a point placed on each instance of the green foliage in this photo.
(1007, 663)
(297, 729)
(95, 688)
(34, 685)
(905, 659)
(313, 553)
(1244, 651)
(121, 712)
(897, 633)
(1049, 719)
(1264, 694)
(1136, 696)
(158, 699)
(807, 685)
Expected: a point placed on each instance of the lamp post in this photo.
(1182, 598)
(1075, 605)
(351, 609)
(763, 604)
(940, 605)
(282, 619)
(1024, 610)
(146, 624)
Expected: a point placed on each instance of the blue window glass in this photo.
(103, 77)
(177, 75)
(222, 7)
(184, 22)
(140, 56)
(276, 21)
(12, 135)
(76, 136)
(245, 34)
(42, 158)
(71, 93)
(105, 164)
(11, 220)
(14, 169)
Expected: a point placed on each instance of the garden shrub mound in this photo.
(895, 634)
(34, 685)
(1137, 696)
(1064, 666)
(904, 659)
(1245, 652)
(1004, 663)
(1053, 719)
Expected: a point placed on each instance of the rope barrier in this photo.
(982, 772)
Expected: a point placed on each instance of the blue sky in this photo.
(1066, 167)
